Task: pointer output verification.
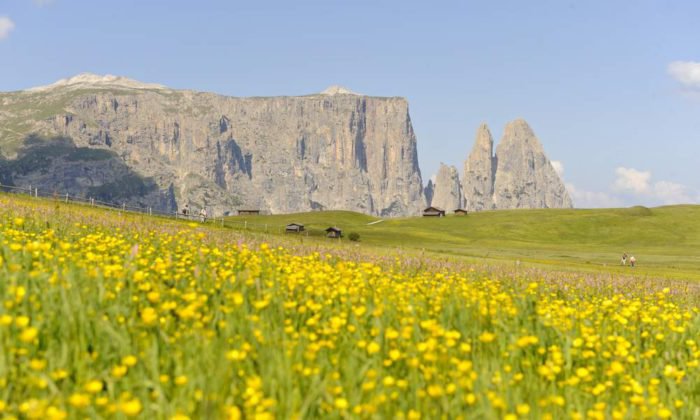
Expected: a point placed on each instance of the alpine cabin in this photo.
(433, 212)
(294, 228)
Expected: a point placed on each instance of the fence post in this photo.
(66, 197)
(150, 211)
(123, 206)
(36, 192)
(245, 225)
(222, 221)
(30, 190)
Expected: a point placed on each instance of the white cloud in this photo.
(592, 199)
(686, 72)
(638, 184)
(6, 26)
(671, 193)
(632, 187)
(632, 180)
(558, 167)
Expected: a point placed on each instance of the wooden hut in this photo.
(334, 232)
(460, 212)
(248, 212)
(433, 212)
(294, 228)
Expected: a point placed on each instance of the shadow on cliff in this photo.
(58, 166)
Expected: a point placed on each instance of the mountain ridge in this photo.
(278, 154)
(334, 149)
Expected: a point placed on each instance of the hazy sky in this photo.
(611, 88)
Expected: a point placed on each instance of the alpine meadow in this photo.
(397, 209)
(113, 314)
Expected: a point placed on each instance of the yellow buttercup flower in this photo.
(79, 400)
(94, 386)
(119, 371)
(130, 361)
(341, 403)
(131, 407)
(149, 316)
(28, 334)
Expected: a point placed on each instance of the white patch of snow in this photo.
(95, 80)
(338, 90)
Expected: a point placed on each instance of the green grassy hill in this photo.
(665, 240)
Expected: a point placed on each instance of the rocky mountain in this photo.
(332, 150)
(123, 141)
(525, 178)
(479, 172)
(519, 175)
(447, 193)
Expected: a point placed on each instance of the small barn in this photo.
(248, 212)
(294, 228)
(334, 232)
(460, 212)
(433, 212)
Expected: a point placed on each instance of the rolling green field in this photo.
(111, 314)
(664, 240)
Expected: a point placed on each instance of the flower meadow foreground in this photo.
(161, 322)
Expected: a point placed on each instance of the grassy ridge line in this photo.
(399, 246)
(663, 239)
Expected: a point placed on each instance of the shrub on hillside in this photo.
(354, 236)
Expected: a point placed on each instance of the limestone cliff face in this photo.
(165, 148)
(519, 175)
(479, 172)
(525, 178)
(447, 189)
(335, 150)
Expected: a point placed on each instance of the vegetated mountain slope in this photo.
(585, 229)
(663, 237)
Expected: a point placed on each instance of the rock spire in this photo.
(525, 178)
(447, 193)
(519, 175)
(478, 175)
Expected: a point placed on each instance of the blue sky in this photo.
(596, 80)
